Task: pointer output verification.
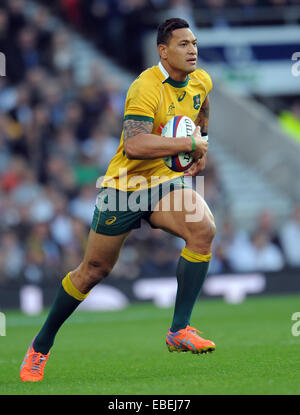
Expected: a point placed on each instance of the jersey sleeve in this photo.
(207, 81)
(142, 101)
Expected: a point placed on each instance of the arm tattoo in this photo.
(203, 117)
(133, 127)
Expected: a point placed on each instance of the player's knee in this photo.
(98, 270)
(206, 232)
(93, 272)
(211, 229)
(88, 274)
(201, 234)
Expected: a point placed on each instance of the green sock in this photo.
(63, 306)
(190, 278)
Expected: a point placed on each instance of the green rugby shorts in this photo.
(118, 212)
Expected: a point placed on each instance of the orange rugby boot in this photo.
(33, 365)
(187, 340)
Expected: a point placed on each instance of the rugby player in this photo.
(174, 87)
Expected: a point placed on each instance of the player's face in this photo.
(180, 54)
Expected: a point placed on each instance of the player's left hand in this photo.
(196, 167)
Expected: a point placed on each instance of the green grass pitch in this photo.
(124, 352)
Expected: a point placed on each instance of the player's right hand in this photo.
(201, 145)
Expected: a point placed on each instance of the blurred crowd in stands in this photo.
(57, 137)
(111, 24)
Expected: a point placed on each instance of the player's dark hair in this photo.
(165, 29)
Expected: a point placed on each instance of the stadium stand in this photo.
(54, 143)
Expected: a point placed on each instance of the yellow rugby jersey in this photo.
(156, 97)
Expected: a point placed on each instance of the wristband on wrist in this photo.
(194, 143)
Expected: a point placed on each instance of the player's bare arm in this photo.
(139, 142)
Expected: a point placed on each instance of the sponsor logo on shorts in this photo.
(110, 220)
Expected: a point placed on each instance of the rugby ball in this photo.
(179, 126)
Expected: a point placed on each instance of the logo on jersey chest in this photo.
(197, 101)
(171, 109)
(180, 98)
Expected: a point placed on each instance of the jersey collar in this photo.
(169, 80)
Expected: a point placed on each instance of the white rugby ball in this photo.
(179, 126)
